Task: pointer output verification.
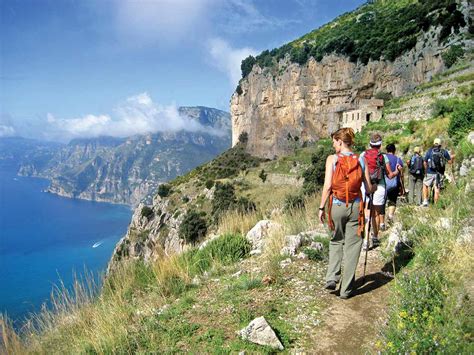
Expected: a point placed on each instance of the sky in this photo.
(83, 68)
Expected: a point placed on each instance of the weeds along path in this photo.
(351, 326)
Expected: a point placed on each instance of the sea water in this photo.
(46, 239)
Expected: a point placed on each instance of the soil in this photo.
(351, 326)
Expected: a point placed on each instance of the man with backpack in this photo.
(435, 166)
(393, 185)
(379, 170)
(415, 179)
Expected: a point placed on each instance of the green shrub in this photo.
(384, 95)
(147, 212)
(462, 119)
(193, 227)
(243, 137)
(225, 200)
(244, 205)
(442, 107)
(209, 184)
(314, 175)
(451, 56)
(293, 202)
(262, 175)
(411, 126)
(164, 190)
(226, 250)
(239, 90)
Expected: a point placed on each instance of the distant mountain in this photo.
(128, 170)
(17, 151)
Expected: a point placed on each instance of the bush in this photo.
(384, 95)
(243, 137)
(164, 190)
(209, 184)
(451, 56)
(293, 202)
(314, 175)
(462, 119)
(247, 65)
(442, 107)
(193, 227)
(239, 90)
(147, 212)
(226, 249)
(262, 176)
(225, 200)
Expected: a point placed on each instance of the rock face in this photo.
(150, 235)
(260, 332)
(129, 170)
(307, 101)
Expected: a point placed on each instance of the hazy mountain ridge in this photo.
(126, 170)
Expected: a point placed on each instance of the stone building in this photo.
(367, 110)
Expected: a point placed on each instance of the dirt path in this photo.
(351, 326)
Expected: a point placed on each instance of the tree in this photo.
(193, 227)
(243, 137)
(262, 175)
(164, 190)
(247, 65)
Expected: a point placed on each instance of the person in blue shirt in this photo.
(393, 184)
(434, 163)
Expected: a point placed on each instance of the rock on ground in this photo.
(260, 232)
(260, 332)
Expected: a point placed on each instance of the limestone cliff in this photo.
(276, 104)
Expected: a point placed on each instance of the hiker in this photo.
(379, 169)
(345, 173)
(394, 184)
(416, 171)
(435, 166)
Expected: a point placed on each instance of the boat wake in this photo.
(98, 244)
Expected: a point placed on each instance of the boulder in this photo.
(260, 232)
(316, 246)
(396, 238)
(285, 263)
(444, 223)
(292, 243)
(260, 332)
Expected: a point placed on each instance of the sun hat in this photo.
(417, 150)
(437, 141)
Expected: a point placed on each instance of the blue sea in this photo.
(45, 239)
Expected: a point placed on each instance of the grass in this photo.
(430, 308)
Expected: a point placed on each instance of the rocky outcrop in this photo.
(306, 101)
(153, 231)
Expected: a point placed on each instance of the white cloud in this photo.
(228, 59)
(6, 131)
(136, 115)
(160, 21)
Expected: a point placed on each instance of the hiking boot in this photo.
(330, 285)
(425, 204)
(375, 242)
(345, 296)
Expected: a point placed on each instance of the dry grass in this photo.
(234, 222)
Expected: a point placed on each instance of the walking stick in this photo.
(368, 234)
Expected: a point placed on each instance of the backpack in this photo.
(438, 160)
(345, 185)
(376, 165)
(416, 165)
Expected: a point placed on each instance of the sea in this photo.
(46, 240)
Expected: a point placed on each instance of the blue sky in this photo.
(78, 68)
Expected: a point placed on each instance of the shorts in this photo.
(379, 196)
(430, 179)
(392, 196)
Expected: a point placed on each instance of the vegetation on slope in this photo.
(377, 29)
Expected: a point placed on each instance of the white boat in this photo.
(97, 244)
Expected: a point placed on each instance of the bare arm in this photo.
(366, 178)
(390, 174)
(326, 187)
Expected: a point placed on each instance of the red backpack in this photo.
(345, 185)
(376, 165)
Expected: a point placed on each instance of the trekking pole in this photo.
(368, 234)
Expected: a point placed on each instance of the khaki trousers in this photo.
(345, 246)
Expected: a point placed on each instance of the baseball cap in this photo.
(437, 141)
(417, 150)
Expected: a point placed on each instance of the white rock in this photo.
(470, 137)
(260, 332)
(196, 281)
(302, 256)
(255, 252)
(444, 223)
(292, 243)
(237, 274)
(316, 246)
(260, 232)
(285, 263)
(396, 237)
